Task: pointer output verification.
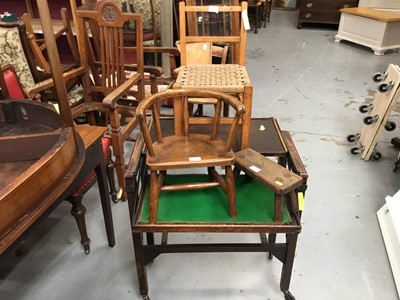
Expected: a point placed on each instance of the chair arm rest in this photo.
(134, 161)
(235, 104)
(153, 70)
(295, 162)
(110, 101)
(171, 50)
(31, 91)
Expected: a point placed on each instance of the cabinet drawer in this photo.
(326, 5)
(320, 16)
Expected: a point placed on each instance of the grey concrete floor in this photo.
(313, 86)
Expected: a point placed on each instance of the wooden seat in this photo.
(203, 53)
(185, 150)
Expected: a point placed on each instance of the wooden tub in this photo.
(36, 152)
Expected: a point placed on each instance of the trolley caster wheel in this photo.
(351, 138)
(146, 297)
(384, 87)
(270, 256)
(376, 156)
(365, 108)
(378, 77)
(370, 119)
(355, 150)
(396, 166)
(395, 142)
(390, 126)
(288, 296)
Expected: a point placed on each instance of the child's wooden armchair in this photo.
(186, 150)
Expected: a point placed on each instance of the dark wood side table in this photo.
(268, 140)
(94, 160)
(322, 11)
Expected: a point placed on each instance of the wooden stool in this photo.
(279, 179)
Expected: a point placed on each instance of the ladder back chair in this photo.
(38, 45)
(40, 52)
(226, 78)
(185, 150)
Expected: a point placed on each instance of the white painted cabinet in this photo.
(379, 3)
(389, 221)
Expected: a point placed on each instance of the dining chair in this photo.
(113, 86)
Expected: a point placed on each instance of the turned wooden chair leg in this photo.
(153, 200)
(230, 191)
(210, 170)
(78, 211)
(111, 178)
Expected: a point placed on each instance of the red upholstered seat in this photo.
(12, 83)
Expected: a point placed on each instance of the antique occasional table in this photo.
(255, 210)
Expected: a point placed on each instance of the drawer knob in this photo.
(309, 5)
(308, 16)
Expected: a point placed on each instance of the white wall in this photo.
(380, 3)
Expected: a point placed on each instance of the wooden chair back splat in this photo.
(236, 35)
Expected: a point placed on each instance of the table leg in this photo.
(271, 240)
(78, 211)
(256, 21)
(287, 267)
(105, 201)
(140, 264)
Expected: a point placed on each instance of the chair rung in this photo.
(189, 186)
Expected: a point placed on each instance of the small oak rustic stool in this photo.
(279, 179)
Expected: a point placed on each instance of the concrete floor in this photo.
(313, 86)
